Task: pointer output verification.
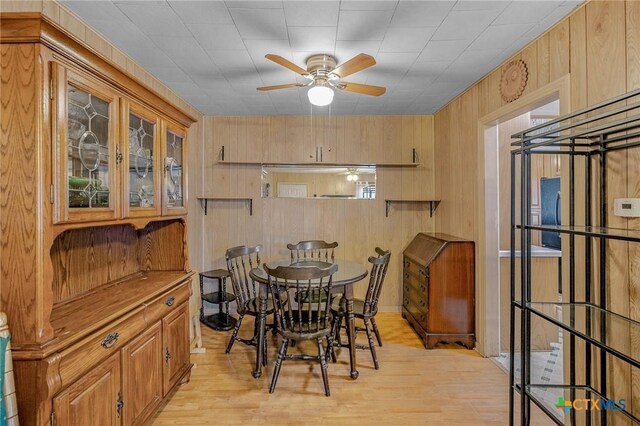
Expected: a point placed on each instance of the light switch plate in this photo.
(626, 207)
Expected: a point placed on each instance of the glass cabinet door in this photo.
(175, 188)
(141, 176)
(86, 124)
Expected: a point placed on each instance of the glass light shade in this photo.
(320, 95)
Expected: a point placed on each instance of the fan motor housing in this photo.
(321, 65)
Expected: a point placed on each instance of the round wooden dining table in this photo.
(348, 274)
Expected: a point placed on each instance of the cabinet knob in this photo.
(170, 301)
(110, 340)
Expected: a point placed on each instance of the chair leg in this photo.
(323, 365)
(276, 370)
(234, 336)
(372, 346)
(330, 351)
(375, 330)
(264, 353)
(335, 337)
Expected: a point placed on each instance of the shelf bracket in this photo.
(414, 155)
(433, 206)
(204, 204)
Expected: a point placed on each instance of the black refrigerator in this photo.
(550, 204)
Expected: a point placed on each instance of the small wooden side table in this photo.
(222, 320)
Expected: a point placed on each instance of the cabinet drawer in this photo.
(420, 284)
(101, 344)
(414, 297)
(415, 270)
(418, 314)
(168, 302)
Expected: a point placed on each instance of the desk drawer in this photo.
(168, 302)
(414, 297)
(84, 355)
(411, 306)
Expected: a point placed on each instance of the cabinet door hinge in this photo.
(52, 419)
(119, 156)
(51, 89)
(51, 194)
(167, 356)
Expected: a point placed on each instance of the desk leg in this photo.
(262, 296)
(351, 331)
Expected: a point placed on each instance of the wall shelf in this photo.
(433, 205)
(204, 202)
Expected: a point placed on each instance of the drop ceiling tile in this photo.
(142, 2)
(272, 77)
(259, 48)
(347, 49)
(186, 53)
(217, 37)
(363, 25)
(213, 83)
(90, 10)
(311, 13)
(310, 39)
(480, 5)
(261, 24)
(201, 12)
(232, 59)
(499, 36)
(367, 5)
(465, 25)
(400, 39)
(445, 50)
(521, 12)
(421, 13)
(395, 61)
(155, 20)
(170, 74)
(258, 99)
(258, 4)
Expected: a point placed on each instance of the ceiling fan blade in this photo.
(363, 89)
(287, 64)
(280, 86)
(354, 65)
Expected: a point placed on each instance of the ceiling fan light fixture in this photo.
(320, 95)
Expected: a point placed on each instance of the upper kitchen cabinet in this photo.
(86, 150)
(114, 157)
(174, 151)
(141, 161)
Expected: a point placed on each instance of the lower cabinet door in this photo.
(94, 399)
(175, 339)
(142, 376)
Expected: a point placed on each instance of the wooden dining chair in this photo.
(313, 250)
(240, 261)
(302, 321)
(365, 309)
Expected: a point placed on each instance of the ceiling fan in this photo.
(324, 76)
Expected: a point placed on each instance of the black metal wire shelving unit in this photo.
(586, 137)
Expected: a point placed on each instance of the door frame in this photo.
(488, 271)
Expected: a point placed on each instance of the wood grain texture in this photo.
(358, 225)
(91, 400)
(85, 259)
(161, 246)
(602, 51)
(413, 386)
(20, 177)
(142, 376)
(175, 342)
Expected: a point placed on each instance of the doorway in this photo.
(495, 130)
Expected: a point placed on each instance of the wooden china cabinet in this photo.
(94, 273)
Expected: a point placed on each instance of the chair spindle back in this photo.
(379, 267)
(316, 250)
(240, 261)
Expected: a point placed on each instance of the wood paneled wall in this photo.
(358, 225)
(598, 46)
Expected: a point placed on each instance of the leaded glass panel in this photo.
(87, 150)
(173, 166)
(141, 184)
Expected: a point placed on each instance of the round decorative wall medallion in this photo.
(513, 80)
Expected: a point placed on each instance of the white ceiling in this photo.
(212, 52)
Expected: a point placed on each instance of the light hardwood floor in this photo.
(445, 386)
